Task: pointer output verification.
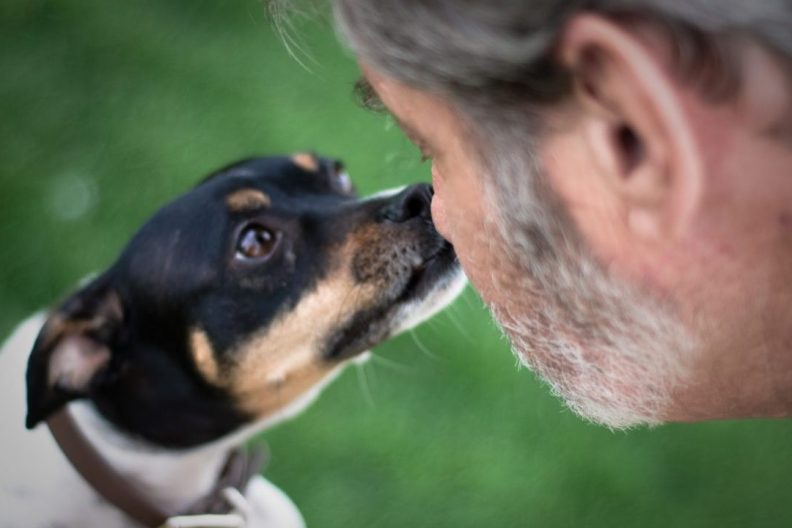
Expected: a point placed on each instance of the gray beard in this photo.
(613, 354)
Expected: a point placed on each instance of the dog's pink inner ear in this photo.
(75, 361)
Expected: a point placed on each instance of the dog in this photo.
(227, 312)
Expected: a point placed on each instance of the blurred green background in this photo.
(109, 109)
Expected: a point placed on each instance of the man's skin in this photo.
(695, 210)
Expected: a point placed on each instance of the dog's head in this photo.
(238, 298)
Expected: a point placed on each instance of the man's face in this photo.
(684, 298)
(620, 375)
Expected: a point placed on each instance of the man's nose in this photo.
(412, 202)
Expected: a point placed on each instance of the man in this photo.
(616, 176)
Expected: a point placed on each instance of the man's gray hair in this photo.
(507, 45)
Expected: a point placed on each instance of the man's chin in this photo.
(619, 383)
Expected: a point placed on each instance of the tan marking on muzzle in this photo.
(306, 161)
(247, 200)
(279, 365)
(204, 357)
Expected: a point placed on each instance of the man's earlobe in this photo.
(74, 350)
(640, 139)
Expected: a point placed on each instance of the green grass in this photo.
(109, 109)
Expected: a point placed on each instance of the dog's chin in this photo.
(432, 286)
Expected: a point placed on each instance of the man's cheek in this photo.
(479, 264)
(439, 217)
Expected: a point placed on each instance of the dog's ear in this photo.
(73, 352)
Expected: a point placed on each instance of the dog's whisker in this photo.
(373, 373)
(364, 386)
(468, 300)
(391, 364)
(454, 320)
(422, 347)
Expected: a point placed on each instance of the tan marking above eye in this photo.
(306, 161)
(247, 200)
(203, 356)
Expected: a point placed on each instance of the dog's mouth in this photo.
(371, 327)
(426, 275)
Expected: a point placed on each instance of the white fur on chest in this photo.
(40, 489)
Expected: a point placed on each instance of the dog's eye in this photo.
(343, 182)
(256, 242)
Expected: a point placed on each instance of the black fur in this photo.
(179, 272)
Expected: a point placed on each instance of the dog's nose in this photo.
(413, 202)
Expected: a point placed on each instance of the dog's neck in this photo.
(175, 478)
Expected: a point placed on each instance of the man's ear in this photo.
(634, 123)
(73, 352)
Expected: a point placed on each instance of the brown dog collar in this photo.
(134, 501)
